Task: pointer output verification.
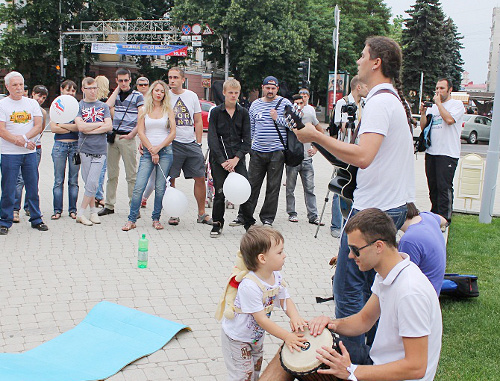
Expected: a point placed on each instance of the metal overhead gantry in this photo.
(126, 31)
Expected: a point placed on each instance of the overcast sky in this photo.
(473, 20)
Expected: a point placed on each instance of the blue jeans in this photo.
(11, 165)
(352, 287)
(306, 171)
(63, 152)
(339, 205)
(20, 185)
(100, 188)
(146, 166)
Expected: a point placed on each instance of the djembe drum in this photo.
(303, 364)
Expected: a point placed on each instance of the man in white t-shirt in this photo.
(188, 155)
(441, 158)
(384, 155)
(20, 123)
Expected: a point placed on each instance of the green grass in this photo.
(471, 328)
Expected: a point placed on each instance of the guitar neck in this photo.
(330, 157)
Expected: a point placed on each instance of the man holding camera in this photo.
(125, 107)
(341, 119)
(441, 158)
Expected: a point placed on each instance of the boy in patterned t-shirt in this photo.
(243, 336)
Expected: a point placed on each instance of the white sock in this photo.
(80, 212)
(93, 209)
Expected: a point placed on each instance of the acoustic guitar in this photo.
(344, 181)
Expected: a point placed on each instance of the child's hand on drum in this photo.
(298, 324)
(295, 341)
(318, 324)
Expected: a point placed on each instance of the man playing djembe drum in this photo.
(408, 340)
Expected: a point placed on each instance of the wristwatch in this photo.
(351, 368)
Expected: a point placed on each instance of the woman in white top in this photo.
(156, 129)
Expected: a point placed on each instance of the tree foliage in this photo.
(272, 37)
(266, 37)
(431, 44)
(30, 42)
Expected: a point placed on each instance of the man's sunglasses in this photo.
(143, 84)
(356, 251)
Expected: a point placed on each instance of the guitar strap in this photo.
(356, 131)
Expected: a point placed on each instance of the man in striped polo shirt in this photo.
(124, 105)
(266, 156)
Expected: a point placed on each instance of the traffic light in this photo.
(303, 71)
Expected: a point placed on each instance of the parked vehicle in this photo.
(476, 128)
(206, 106)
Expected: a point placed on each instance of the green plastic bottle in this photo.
(142, 254)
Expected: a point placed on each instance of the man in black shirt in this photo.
(229, 141)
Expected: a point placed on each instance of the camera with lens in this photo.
(349, 109)
(428, 104)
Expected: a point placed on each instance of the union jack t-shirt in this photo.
(93, 112)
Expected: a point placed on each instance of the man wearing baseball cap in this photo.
(266, 157)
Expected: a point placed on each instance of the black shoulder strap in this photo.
(119, 124)
(276, 125)
(381, 91)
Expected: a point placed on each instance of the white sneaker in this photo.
(83, 220)
(95, 218)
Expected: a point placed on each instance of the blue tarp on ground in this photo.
(108, 339)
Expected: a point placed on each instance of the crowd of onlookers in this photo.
(374, 281)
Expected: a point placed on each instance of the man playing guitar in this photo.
(384, 155)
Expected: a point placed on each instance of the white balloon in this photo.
(63, 109)
(175, 203)
(236, 188)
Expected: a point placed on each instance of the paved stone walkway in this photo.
(51, 280)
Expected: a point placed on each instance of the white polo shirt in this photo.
(409, 307)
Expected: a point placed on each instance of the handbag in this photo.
(424, 139)
(294, 149)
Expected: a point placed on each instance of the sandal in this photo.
(202, 219)
(129, 226)
(15, 218)
(56, 216)
(72, 215)
(99, 203)
(157, 225)
(174, 221)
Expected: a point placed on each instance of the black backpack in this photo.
(333, 128)
(460, 286)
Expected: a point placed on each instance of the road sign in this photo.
(186, 29)
(207, 30)
(196, 43)
(196, 37)
(196, 29)
(185, 38)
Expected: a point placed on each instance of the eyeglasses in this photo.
(356, 251)
(143, 84)
(90, 88)
(123, 80)
(304, 92)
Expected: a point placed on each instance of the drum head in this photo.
(305, 360)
